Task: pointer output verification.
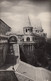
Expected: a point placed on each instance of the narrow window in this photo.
(26, 30)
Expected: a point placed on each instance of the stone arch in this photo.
(28, 39)
(13, 39)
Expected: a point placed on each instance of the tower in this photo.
(28, 31)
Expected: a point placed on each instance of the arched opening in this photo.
(12, 39)
(27, 39)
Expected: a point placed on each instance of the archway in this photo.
(12, 39)
(27, 39)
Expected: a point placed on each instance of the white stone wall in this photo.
(25, 37)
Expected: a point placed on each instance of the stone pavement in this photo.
(34, 73)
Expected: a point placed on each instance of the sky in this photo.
(15, 13)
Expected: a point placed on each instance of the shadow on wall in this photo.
(11, 58)
(36, 57)
(7, 76)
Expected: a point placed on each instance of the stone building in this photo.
(4, 28)
(31, 44)
(28, 47)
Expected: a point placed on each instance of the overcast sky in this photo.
(15, 13)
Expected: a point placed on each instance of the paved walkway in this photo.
(34, 73)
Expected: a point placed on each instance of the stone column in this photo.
(16, 52)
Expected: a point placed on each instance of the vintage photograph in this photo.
(25, 40)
